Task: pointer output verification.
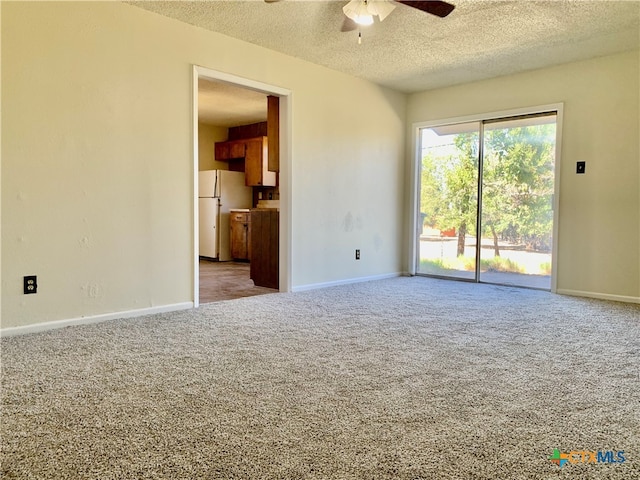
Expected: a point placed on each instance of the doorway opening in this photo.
(486, 193)
(236, 170)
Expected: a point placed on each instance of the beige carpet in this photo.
(408, 378)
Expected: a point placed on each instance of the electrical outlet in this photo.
(357, 254)
(30, 284)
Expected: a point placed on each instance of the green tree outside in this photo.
(518, 178)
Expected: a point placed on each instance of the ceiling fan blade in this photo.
(437, 8)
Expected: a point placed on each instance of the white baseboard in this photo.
(42, 327)
(600, 296)
(314, 286)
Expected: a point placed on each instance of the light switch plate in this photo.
(581, 167)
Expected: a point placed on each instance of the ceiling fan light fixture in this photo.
(357, 10)
(364, 20)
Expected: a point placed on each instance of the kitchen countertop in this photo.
(269, 204)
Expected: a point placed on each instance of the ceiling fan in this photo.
(363, 11)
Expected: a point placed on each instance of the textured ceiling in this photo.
(226, 105)
(413, 51)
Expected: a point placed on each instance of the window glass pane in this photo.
(448, 200)
(517, 201)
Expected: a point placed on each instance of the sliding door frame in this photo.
(413, 223)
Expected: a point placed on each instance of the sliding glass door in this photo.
(486, 200)
(449, 201)
(517, 201)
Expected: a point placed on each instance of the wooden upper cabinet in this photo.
(255, 152)
(222, 151)
(256, 165)
(237, 149)
(273, 132)
(230, 150)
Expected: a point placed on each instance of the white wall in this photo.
(97, 161)
(599, 217)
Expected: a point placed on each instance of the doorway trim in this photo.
(415, 174)
(285, 176)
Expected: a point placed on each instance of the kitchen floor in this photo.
(226, 281)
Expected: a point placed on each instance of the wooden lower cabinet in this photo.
(239, 242)
(265, 247)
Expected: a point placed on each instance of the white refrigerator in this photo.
(218, 192)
